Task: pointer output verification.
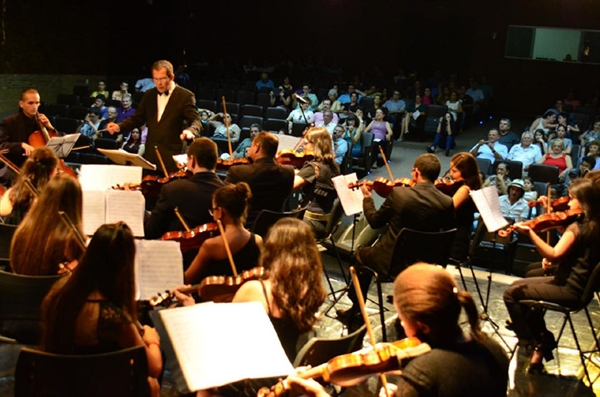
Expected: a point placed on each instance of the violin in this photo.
(226, 164)
(560, 204)
(546, 222)
(448, 186)
(41, 138)
(223, 288)
(152, 184)
(383, 186)
(192, 238)
(351, 369)
(293, 157)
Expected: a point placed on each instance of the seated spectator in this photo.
(125, 111)
(350, 107)
(306, 93)
(418, 111)
(336, 106)
(92, 123)
(443, 95)
(242, 150)
(586, 164)
(134, 144)
(345, 98)
(507, 137)
(491, 149)
(561, 133)
(547, 122)
(446, 130)
(589, 136)
(301, 114)
(340, 146)
(101, 90)
(513, 204)
(118, 94)
(563, 118)
(525, 152)
(539, 140)
(354, 127)
(454, 106)
(377, 104)
(317, 118)
(111, 117)
(594, 152)
(382, 135)
(264, 84)
(427, 98)
(529, 188)
(395, 109)
(204, 116)
(500, 180)
(220, 128)
(556, 157)
(99, 104)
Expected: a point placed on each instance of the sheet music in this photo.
(126, 206)
(94, 211)
(159, 267)
(488, 205)
(287, 141)
(351, 199)
(210, 353)
(180, 158)
(105, 176)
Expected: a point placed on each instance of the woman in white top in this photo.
(547, 122)
(454, 105)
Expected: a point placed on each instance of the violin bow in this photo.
(183, 222)
(17, 171)
(387, 166)
(549, 210)
(160, 160)
(226, 243)
(361, 302)
(227, 127)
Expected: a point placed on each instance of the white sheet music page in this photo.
(351, 199)
(287, 141)
(209, 350)
(159, 267)
(488, 205)
(126, 206)
(94, 211)
(105, 176)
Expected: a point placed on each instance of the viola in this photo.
(383, 186)
(351, 369)
(546, 222)
(560, 204)
(226, 164)
(41, 138)
(293, 157)
(193, 238)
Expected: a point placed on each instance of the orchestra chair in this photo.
(592, 288)
(515, 168)
(120, 373)
(333, 223)
(267, 218)
(543, 173)
(5, 264)
(318, 351)
(365, 160)
(20, 300)
(412, 246)
(6, 234)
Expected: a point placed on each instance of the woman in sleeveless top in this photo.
(382, 134)
(39, 168)
(454, 106)
(463, 167)
(134, 143)
(547, 122)
(230, 206)
(354, 127)
(314, 178)
(93, 310)
(42, 241)
(556, 157)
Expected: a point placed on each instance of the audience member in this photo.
(92, 123)
(336, 106)
(317, 119)
(144, 84)
(354, 128)
(513, 205)
(547, 122)
(101, 90)
(99, 104)
(125, 111)
(507, 137)
(307, 94)
(526, 153)
(539, 140)
(117, 95)
(346, 98)
(395, 109)
(561, 133)
(264, 84)
(529, 188)
(491, 149)
(454, 107)
(558, 158)
(382, 135)
(350, 107)
(301, 114)
(594, 152)
(500, 180)
(242, 150)
(221, 127)
(589, 136)
(446, 130)
(418, 112)
(340, 146)
(134, 144)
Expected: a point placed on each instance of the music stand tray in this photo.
(62, 145)
(122, 157)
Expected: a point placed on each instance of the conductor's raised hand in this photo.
(112, 128)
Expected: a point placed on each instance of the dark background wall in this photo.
(110, 38)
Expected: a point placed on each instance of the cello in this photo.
(41, 138)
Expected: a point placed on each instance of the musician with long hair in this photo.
(43, 242)
(576, 253)
(315, 179)
(38, 169)
(229, 206)
(93, 311)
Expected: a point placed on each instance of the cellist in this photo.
(16, 129)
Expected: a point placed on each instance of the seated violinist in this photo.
(229, 206)
(291, 292)
(462, 362)
(191, 196)
(270, 183)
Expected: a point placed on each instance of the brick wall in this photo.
(48, 85)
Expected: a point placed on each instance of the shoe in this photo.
(448, 153)
(430, 149)
(349, 316)
(399, 140)
(536, 369)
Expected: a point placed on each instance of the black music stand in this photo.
(62, 145)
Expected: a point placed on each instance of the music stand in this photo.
(487, 203)
(122, 157)
(62, 145)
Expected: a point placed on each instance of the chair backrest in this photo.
(120, 373)
(543, 173)
(415, 246)
(276, 125)
(335, 218)
(247, 121)
(575, 154)
(319, 350)
(298, 128)
(436, 111)
(20, 300)
(252, 110)
(485, 166)
(515, 169)
(6, 234)
(592, 286)
(276, 113)
(267, 218)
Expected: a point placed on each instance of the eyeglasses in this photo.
(160, 80)
(212, 211)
